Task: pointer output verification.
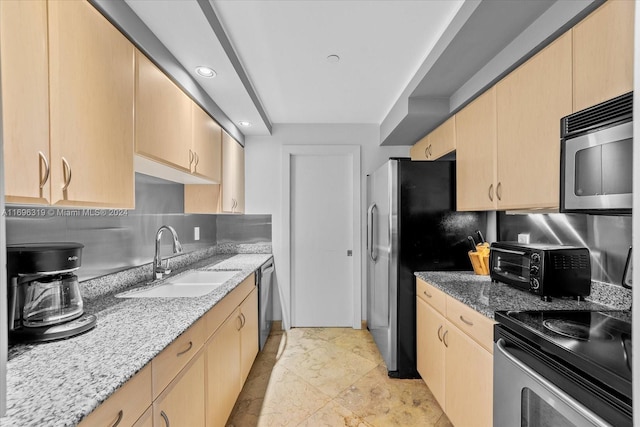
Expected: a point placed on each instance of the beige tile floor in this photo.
(317, 377)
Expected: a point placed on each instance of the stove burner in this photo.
(577, 330)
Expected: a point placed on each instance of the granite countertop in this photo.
(61, 382)
(487, 297)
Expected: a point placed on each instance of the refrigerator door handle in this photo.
(370, 233)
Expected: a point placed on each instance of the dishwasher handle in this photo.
(267, 268)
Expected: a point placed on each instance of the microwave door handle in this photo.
(550, 387)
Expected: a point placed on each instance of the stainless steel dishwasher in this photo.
(265, 302)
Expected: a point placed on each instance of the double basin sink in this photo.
(193, 284)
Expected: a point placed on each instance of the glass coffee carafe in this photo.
(51, 299)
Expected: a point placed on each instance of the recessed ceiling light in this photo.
(333, 58)
(244, 124)
(205, 72)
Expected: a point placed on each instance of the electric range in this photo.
(563, 368)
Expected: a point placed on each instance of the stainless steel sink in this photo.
(193, 284)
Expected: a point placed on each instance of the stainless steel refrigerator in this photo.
(411, 226)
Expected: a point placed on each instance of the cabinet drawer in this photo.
(433, 296)
(218, 314)
(126, 405)
(474, 324)
(170, 362)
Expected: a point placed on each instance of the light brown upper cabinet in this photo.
(163, 117)
(91, 79)
(530, 102)
(25, 100)
(206, 148)
(67, 81)
(476, 156)
(441, 141)
(232, 175)
(603, 54)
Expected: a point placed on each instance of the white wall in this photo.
(263, 174)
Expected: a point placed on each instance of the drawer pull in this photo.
(120, 414)
(243, 320)
(165, 418)
(187, 350)
(439, 336)
(428, 295)
(444, 338)
(468, 322)
(241, 324)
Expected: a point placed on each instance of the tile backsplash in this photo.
(116, 240)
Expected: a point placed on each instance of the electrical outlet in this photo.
(196, 233)
(523, 238)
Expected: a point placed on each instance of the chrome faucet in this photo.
(158, 269)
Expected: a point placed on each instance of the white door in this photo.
(322, 265)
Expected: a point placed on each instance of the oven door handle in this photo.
(564, 397)
(508, 251)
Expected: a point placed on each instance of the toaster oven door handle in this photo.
(509, 251)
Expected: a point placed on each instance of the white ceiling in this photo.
(284, 45)
(405, 64)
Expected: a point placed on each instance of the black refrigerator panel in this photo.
(432, 237)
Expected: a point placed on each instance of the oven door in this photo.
(597, 171)
(511, 266)
(523, 397)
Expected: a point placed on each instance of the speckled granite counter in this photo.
(59, 383)
(486, 297)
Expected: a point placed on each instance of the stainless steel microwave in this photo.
(596, 174)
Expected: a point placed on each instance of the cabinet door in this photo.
(603, 54)
(469, 379)
(249, 333)
(163, 117)
(207, 146)
(91, 94)
(430, 327)
(146, 420)
(126, 405)
(476, 154)
(443, 139)
(25, 100)
(232, 175)
(183, 403)
(223, 370)
(530, 102)
(420, 150)
(202, 198)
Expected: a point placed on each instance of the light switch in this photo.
(196, 233)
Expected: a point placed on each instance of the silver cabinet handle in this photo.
(562, 396)
(468, 322)
(426, 152)
(430, 150)
(491, 192)
(428, 295)
(243, 320)
(45, 178)
(440, 336)
(187, 350)
(240, 319)
(67, 173)
(444, 338)
(499, 191)
(191, 156)
(165, 418)
(120, 414)
(197, 159)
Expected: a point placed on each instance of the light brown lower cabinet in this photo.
(196, 380)
(453, 357)
(183, 401)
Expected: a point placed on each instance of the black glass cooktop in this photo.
(598, 343)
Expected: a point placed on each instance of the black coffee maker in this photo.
(44, 301)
